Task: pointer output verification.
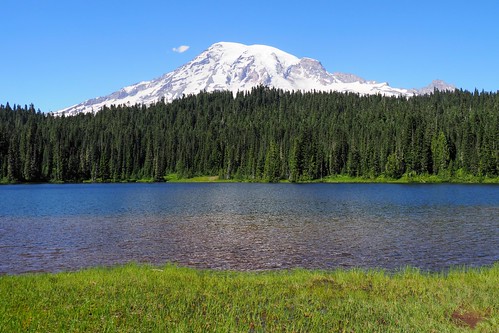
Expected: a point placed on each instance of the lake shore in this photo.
(170, 298)
(337, 179)
(406, 179)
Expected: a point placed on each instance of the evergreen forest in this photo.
(266, 135)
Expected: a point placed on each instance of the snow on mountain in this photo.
(237, 67)
(435, 84)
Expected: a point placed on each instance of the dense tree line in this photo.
(264, 135)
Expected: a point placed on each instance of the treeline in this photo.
(263, 135)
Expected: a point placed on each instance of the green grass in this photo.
(458, 178)
(173, 177)
(145, 298)
(405, 179)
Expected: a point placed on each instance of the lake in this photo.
(242, 226)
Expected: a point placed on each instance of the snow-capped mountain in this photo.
(237, 67)
(435, 85)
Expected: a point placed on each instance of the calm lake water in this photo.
(248, 226)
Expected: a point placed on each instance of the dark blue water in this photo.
(248, 226)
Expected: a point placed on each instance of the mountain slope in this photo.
(237, 67)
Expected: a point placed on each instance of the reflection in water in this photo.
(248, 226)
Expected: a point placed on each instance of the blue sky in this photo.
(59, 53)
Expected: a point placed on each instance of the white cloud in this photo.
(181, 48)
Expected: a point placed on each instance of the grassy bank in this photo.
(413, 179)
(405, 179)
(172, 299)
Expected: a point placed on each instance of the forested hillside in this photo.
(264, 135)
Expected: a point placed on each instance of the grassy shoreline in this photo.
(176, 299)
(337, 179)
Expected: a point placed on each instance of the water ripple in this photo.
(248, 226)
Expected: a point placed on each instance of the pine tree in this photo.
(272, 167)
